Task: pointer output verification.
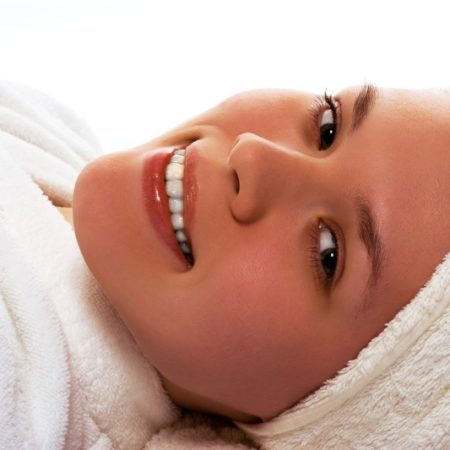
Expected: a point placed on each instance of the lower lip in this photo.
(155, 197)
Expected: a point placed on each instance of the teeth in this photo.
(174, 171)
(174, 190)
(179, 159)
(176, 205)
(181, 237)
(177, 221)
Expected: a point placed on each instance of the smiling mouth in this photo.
(174, 189)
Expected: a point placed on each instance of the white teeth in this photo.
(177, 159)
(181, 237)
(174, 189)
(174, 171)
(176, 205)
(177, 221)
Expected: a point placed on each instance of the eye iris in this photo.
(329, 261)
(327, 132)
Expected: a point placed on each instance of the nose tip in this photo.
(251, 161)
(245, 151)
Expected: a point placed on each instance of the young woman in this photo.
(310, 222)
(267, 257)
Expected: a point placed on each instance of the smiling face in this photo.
(311, 228)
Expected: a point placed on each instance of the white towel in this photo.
(394, 395)
(71, 375)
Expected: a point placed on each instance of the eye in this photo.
(327, 124)
(328, 251)
(324, 253)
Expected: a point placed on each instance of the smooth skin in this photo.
(252, 327)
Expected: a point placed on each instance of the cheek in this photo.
(259, 328)
(232, 312)
(239, 306)
(258, 293)
(247, 313)
(252, 285)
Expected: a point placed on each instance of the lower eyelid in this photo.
(342, 252)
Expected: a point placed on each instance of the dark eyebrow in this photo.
(369, 234)
(364, 102)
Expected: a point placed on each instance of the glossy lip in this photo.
(156, 201)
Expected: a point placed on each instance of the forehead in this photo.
(406, 138)
(403, 151)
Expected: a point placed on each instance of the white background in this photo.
(134, 69)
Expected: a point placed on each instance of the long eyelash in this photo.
(329, 99)
(320, 104)
(314, 257)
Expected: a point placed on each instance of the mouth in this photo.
(169, 197)
(174, 176)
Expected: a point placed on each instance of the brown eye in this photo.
(327, 129)
(328, 251)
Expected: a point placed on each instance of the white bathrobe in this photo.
(71, 376)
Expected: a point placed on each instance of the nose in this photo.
(267, 174)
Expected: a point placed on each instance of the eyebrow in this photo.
(368, 232)
(364, 102)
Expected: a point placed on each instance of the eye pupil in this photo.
(327, 132)
(329, 261)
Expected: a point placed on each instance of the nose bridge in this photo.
(267, 174)
(250, 150)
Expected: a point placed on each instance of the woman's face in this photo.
(309, 232)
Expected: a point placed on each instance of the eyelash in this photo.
(320, 105)
(315, 256)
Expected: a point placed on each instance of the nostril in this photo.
(236, 181)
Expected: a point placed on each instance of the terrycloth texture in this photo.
(195, 431)
(71, 375)
(394, 395)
